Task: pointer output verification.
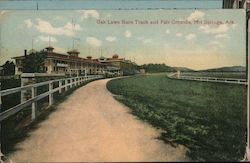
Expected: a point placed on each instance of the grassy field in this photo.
(208, 118)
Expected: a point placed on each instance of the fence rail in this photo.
(62, 84)
(209, 79)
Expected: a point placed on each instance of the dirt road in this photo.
(92, 126)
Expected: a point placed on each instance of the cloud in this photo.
(2, 12)
(190, 36)
(45, 39)
(216, 45)
(178, 34)
(167, 31)
(111, 38)
(85, 14)
(128, 34)
(58, 18)
(59, 49)
(94, 42)
(223, 28)
(195, 15)
(47, 28)
(222, 36)
(108, 15)
(144, 40)
(28, 23)
(234, 25)
(75, 27)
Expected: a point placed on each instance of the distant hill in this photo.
(151, 68)
(183, 69)
(226, 69)
(163, 68)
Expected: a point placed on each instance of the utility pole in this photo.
(73, 26)
(32, 44)
(49, 39)
(101, 51)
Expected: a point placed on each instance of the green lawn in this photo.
(208, 118)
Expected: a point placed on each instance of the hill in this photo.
(184, 69)
(226, 69)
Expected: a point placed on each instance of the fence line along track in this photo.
(209, 79)
(65, 84)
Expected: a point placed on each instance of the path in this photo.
(92, 126)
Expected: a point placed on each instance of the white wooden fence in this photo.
(64, 84)
(210, 79)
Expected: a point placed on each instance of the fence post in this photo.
(60, 86)
(50, 93)
(71, 83)
(34, 104)
(66, 84)
(23, 80)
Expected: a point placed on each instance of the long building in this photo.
(126, 67)
(71, 64)
(68, 64)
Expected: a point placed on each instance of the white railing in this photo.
(210, 79)
(65, 84)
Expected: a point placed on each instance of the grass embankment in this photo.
(208, 118)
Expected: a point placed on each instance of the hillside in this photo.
(151, 68)
(226, 69)
(184, 69)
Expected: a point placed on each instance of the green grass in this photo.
(208, 118)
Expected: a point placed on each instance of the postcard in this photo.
(123, 85)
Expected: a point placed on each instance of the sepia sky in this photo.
(176, 43)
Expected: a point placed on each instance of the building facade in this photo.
(68, 64)
(126, 67)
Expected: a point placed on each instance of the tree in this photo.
(8, 68)
(157, 68)
(34, 62)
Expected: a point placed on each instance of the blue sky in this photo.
(109, 4)
(197, 46)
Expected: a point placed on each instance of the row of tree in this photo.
(152, 68)
(7, 69)
(32, 63)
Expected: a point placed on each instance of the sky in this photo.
(108, 4)
(165, 37)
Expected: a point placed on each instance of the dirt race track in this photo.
(91, 125)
